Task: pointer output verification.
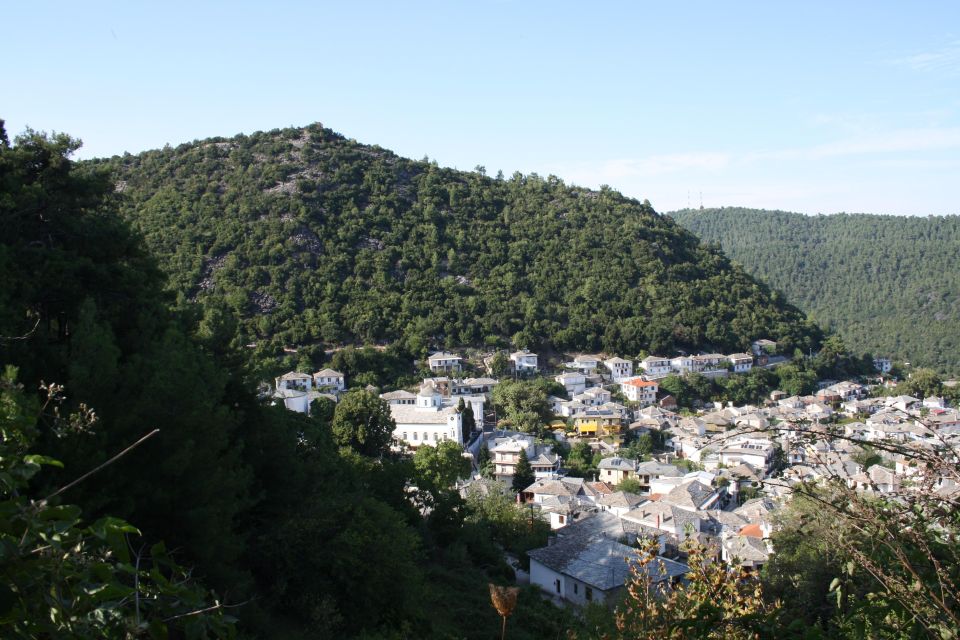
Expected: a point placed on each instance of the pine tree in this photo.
(484, 463)
(523, 473)
(468, 423)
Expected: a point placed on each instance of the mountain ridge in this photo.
(887, 284)
(314, 238)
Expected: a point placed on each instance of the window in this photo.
(589, 593)
(557, 584)
(435, 437)
(562, 519)
(576, 588)
(414, 435)
(404, 436)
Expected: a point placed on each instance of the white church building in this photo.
(428, 421)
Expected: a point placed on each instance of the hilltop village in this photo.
(619, 463)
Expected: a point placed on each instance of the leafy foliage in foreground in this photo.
(889, 285)
(315, 540)
(65, 578)
(312, 238)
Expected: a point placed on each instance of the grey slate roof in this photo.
(398, 395)
(589, 552)
(691, 495)
(409, 414)
(654, 468)
(669, 515)
(746, 548)
(618, 464)
(620, 499)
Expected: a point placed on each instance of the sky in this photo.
(816, 107)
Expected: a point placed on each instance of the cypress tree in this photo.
(523, 474)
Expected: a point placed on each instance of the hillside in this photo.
(316, 239)
(888, 285)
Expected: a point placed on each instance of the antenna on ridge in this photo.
(688, 198)
(701, 201)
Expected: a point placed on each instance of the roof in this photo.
(512, 443)
(408, 414)
(638, 382)
(691, 495)
(620, 499)
(545, 459)
(443, 355)
(289, 393)
(744, 471)
(756, 508)
(621, 464)
(589, 552)
(398, 395)
(751, 530)
(661, 513)
(746, 548)
(559, 487)
(328, 373)
(428, 389)
(295, 375)
(654, 468)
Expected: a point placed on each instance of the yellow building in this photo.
(597, 423)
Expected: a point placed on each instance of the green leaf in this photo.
(67, 512)
(39, 460)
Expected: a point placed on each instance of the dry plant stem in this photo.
(99, 468)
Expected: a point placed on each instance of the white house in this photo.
(524, 361)
(619, 367)
(656, 367)
(574, 383)
(683, 364)
(442, 361)
(618, 503)
(640, 390)
(505, 453)
(757, 452)
(293, 381)
(589, 565)
(586, 362)
(594, 396)
(742, 362)
(763, 347)
(883, 365)
(709, 362)
(428, 421)
(616, 469)
(329, 380)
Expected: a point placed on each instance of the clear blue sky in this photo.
(817, 107)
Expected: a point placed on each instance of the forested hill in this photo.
(888, 284)
(315, 238)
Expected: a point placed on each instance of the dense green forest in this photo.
(889, 285)
(312, 238)
(233, 518)
(145, 492)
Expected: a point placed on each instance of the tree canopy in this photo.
(316, 239)
(888, 285)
